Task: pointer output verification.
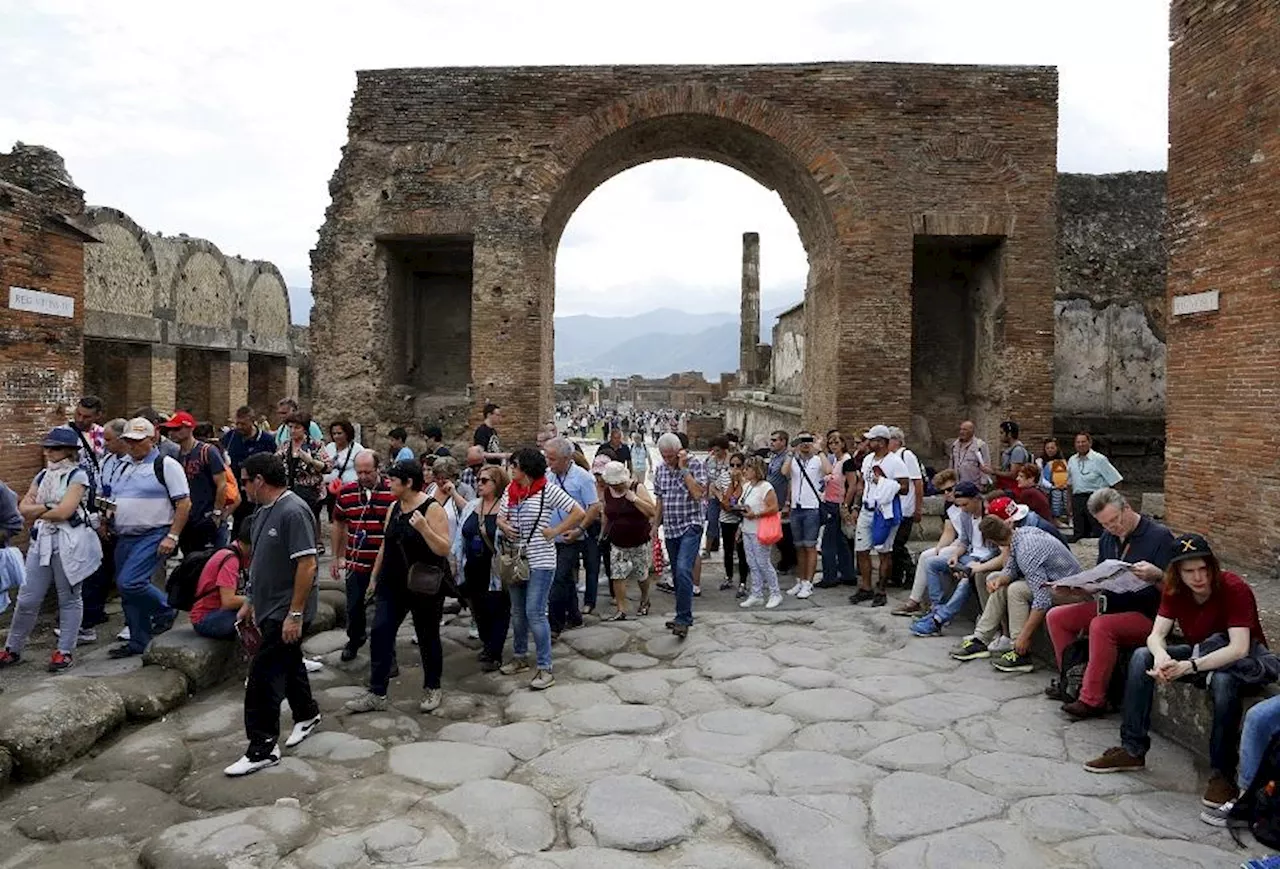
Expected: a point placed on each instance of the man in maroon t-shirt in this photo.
(1204, 601)
(359, 522)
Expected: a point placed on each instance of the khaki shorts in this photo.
(635, 562)
(862, 540)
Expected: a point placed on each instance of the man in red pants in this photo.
(1147, 546)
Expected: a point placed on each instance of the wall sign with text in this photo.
(38, 302)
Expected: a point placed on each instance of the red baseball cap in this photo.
(181, 419)
(1008, 509)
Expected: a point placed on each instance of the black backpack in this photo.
(185, 578)
(1260, 803)
(1075, 658)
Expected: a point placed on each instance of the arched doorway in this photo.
(434, 275)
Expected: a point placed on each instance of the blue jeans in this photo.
(217, 625)
(136, 561)
(1139, 693)
(938, 570)
(837, 560)
(805, 522)
(713, 520)
(529, 614)
(1261, 724)
(682, 552)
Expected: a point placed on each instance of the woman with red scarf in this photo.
(534, 512)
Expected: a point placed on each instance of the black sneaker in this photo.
(1012, 662)
(827, 583)
(970, 649)
(726, 585)
(667, 587)
(880, 599)
(121, 652)
(742, 591)
(862, 595)
(349, 652)
(489, 665)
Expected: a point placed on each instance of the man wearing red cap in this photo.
(207, 478)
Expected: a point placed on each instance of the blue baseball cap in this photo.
(965, 490)
(62, 436)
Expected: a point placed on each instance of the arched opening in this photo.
(654, 279)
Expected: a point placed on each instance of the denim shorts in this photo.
(805, 522)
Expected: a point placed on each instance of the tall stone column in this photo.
(749, 328)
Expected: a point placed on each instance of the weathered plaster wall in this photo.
(788, 353)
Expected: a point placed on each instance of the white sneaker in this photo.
(85, 635)
(244, 766)
(1001, 645)
(752, 600)
(431, 701)
(774, 601)
(301, 730)
(312, 665)
(473, 632)
(795, 589)
(124, 636)
(806, 590)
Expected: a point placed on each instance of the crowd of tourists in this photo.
(509, 533)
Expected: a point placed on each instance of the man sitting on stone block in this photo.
(961, 549)
(1019, 592)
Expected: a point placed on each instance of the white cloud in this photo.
(226, 121)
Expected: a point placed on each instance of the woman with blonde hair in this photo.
(758, 500)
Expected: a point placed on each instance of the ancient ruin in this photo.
(923, 194)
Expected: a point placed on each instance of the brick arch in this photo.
(748, 133)
(264, 308)
(121, 273)
(202, 291)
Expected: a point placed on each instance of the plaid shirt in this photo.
(471, 477)
(1039, 559)
(680, 510)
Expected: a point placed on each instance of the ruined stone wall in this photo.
(1223, 416)
(858, 152)
(787, 359)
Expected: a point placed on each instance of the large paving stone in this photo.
(569, 695)
(249, 837)
(529, 706)
(736, 664)
(715, 781)
(697, 696)
(938, 710)
(824, 704)
(859, 667)
(338, 747)
(597, 641)
(337, 599)
(80, 854)
(990, 843)
(502, 817)
(560, 772)
(807, 677)
(800, 656)
(850, 737)
(889, 689)
(589, 670)
(999, 734)
(645, 688)
(814, 832)
(933, 751)
(525, 740)
(632, 661)
(614, 718)
(1127, 852)
(365, 801)
(324, 643)
(48, 725)
(755, 690)
(127, 809)
(814, 772)
(6, 766)
(448, 764)
(732, 736)
(581, 857)
(992, 685)
(909, 804)
(210, 718)
(717, 855)
(636, 814)
(149, 692)
(325, 619)
(1161, 815)
(154, 755)
(1066, 817)
(1015, 775)
(203, 661)
(212, 790)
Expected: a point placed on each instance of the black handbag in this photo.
(1145, 601)
(424, 579)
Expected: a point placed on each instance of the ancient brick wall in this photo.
(40, 354)
(1223, 398)
(865, 156)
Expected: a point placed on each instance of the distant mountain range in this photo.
(652, 344)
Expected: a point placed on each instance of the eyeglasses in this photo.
(735, 464)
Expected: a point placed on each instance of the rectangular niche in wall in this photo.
(430, 293)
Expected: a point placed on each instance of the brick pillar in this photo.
(237, 380)
(220, 407)
(749, 324)
(164, 378)
(137, 379)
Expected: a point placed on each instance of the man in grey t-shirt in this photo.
(282, 599)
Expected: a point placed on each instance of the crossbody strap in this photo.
(542, 501)
(805, 474)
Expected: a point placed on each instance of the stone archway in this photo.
(434, 275)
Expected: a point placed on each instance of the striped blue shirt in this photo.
(143, 503)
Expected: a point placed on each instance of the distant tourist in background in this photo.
(359, 523)
(475, 549)
(912, 506)
(486, 435)
(969, 456)
(727, 489)
(397, 450)
(341, 450)
(1054, 479)
(206, 482)
(758, 501)
(1087, 472)
(287, 407)
(639, 456)
(305, 464)
(781, 486)
(245, 439)
(629, 511)
(837, 557)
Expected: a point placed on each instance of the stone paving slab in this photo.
(815, 735)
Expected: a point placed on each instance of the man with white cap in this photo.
(152, 502)
(885, 479)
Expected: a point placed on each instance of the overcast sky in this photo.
(225, 120)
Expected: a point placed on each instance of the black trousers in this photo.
(786, 549)
(1082, 522)
(393, 604)
(243, 511)
(357, 607)
(492, 609)
(98, 585)
(903, 575)
(197, 534)
(732, 542)
(276, 673)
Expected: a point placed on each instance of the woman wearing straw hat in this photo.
(629, 511)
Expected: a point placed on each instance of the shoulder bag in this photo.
(425, 579)
(335, 485)
(513, 556)
(768, 528)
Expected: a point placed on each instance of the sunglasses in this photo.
(946, 489)
(486, 479)
(735, 464)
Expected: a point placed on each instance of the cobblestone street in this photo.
(816, 735)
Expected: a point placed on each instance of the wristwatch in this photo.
(1195, 668)
(296, 616)
(172, 536)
